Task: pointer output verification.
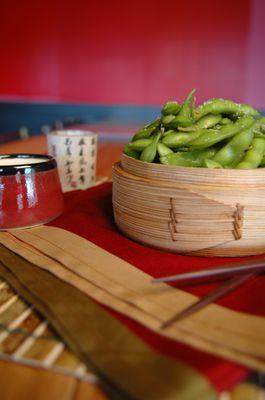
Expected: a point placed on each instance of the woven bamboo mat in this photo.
(27, 338)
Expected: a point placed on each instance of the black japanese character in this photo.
(68, 162)
(68, 142)
(82, 142)
(68, 151)
(82, 179)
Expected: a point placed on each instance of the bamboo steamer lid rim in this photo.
(224, 176)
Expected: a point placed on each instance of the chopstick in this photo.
(224, 271)
(212, 296)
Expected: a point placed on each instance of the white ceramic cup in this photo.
(75, 152)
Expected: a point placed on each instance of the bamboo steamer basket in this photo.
(195, 211)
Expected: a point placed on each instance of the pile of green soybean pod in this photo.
(217, 134)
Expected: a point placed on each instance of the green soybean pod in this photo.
(215, 106)
(208, 163)
(139, 144)
(165, 133)
(254, 155)
(209, 120)
(262, 120)
(184, 117)
(147, 130)
(213, 136)
(179, 139)
(260, 125)
(163, 150)
(130, 152)
(143, 134)
(246, 109)
(237, 145)
(262, 164)
(259, 134)
(221, 106)
(171, 108)
(225, 121)
(179, 121)
(235, 161)
(206, 122)
(149, 153)
(191, 128)
(193, 158)
(166, 120)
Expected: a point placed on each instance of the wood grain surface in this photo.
(18, 382)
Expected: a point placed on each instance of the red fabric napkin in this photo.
(89, 214)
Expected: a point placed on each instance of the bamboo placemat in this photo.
(27, 338)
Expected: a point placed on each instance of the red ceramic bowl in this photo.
(30, 191)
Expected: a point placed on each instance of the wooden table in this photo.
(19, 382)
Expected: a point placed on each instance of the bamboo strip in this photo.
(25, 346)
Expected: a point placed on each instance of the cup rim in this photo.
(48, 164)
(72, 133)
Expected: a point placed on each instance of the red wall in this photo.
(143, 52)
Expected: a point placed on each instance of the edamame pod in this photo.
(165, 133)
(130, 152)
(213, 136)
(167, 119)
(262, 120)
(225, 121)
(139, 144)
(254, 155)
(246, 109)
(259, 134)
(149, 153)
(178, 139)
(206, 122)
(163, 150)
(179, 121)
(237, 145)
(209, 120)
(221, 106)
(147, 130)
(262, 164)
(211, 164)
(184, 117)
(236, 161)
(193, 158)
(171, 108)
